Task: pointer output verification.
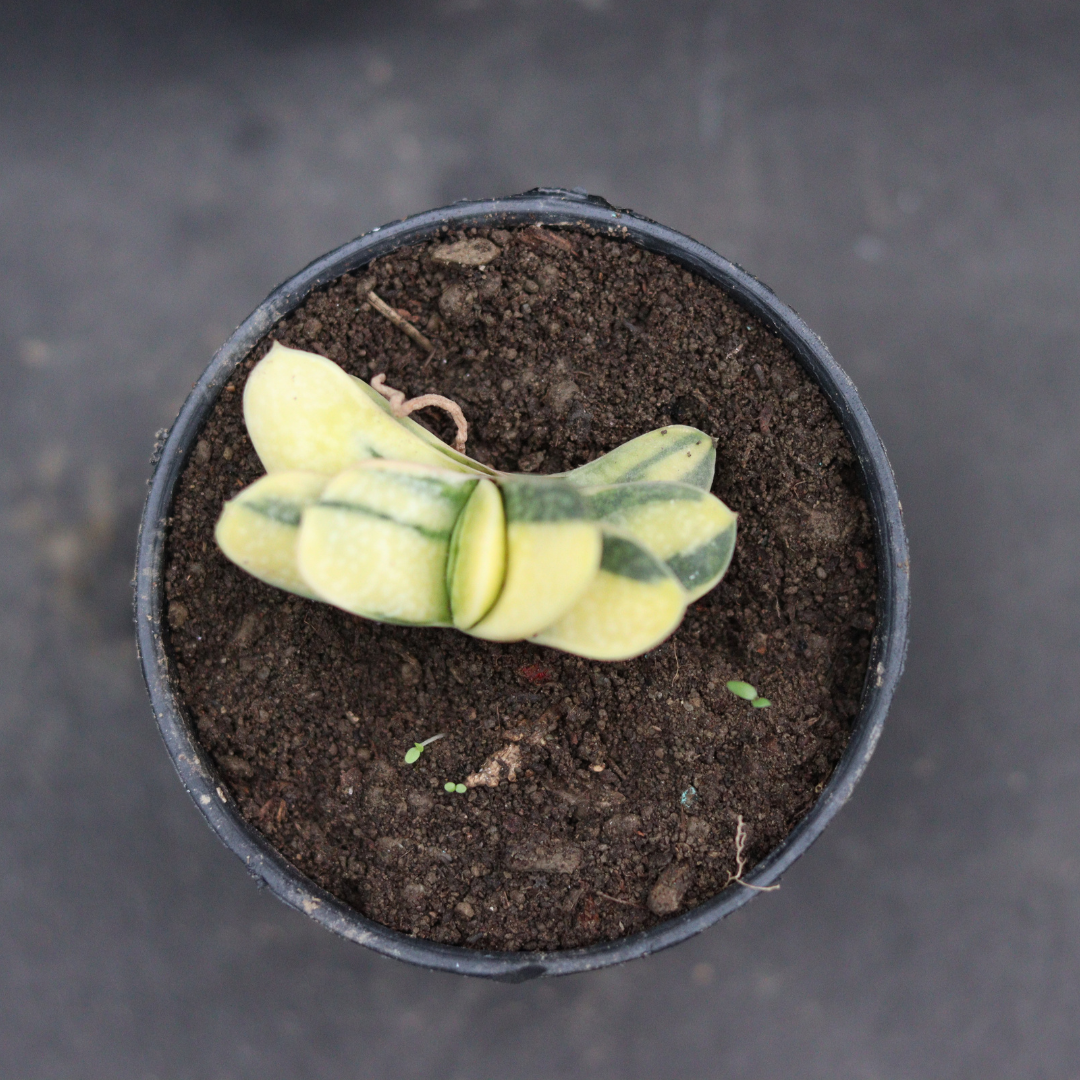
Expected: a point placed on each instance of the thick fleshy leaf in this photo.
(476, 565)
(632, 604)
(259, 527)
(677, 453)
(376, 542)
(304, 412)
(691, 530)
(552, 553)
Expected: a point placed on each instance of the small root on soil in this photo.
(740, 861)
(400, 407)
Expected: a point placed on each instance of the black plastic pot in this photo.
(552, 207)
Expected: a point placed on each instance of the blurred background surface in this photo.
(906, 175)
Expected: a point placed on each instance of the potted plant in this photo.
(747, 377)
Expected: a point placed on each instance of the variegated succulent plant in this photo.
(371, 512)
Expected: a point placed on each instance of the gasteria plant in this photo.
(365, 509)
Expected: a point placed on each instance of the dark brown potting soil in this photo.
(635, 774)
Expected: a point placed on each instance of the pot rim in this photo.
(555, 208)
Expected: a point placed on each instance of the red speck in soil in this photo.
(534, 673)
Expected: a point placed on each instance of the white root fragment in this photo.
(502, 765)
(403, 324)
(400, 407)
(740, 861)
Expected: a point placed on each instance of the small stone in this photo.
(550, 857)
(697, 831)
(502, 765)
(389, 848)
(312, 328)
(666, 896)
(236, 767)
(490, 287)
(419, 802)
(250, 628)
(570, 901)
(474, 252)
(548, 276)
(413, 894)
(465, 909)
(457, 304)
(590, 805)
(202, 452)
(561, 394)
(622, 827)
(351, 780)
(531, 462)
(825, 526)
(531, 286)
(383, 772)
(178, 615)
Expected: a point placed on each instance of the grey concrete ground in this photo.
(907, 176)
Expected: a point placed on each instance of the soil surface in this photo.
(634, 775)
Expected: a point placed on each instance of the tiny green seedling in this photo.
(458, 789)
(745, 691)
(412, 755)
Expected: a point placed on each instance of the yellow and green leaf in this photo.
(376, 542)
(632, 604)
(552, 553)
(476, 566)
(259, 527)
(676, 453)
(689, 529)
(302, 411)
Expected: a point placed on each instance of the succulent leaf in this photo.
(633, 603)
(552, 553)
(259, 527)
(376, 542)
(689, 529)
(677, 453)
(304, 412)
(476, 565)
